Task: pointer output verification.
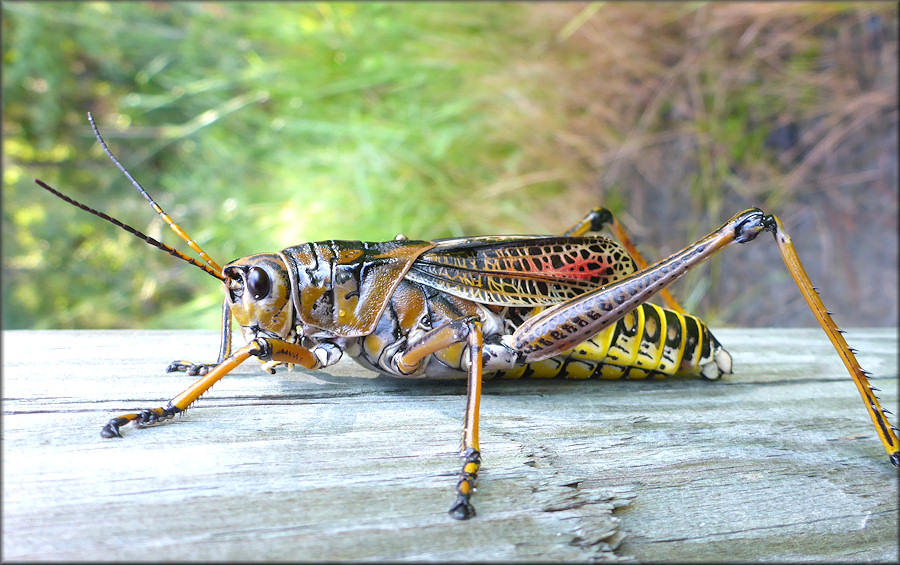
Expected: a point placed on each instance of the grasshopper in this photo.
(572, 306)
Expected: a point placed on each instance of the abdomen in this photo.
(650, 341)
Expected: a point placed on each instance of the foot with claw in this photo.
(193, 369)
(462, 509)
(142, 418)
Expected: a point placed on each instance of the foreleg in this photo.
(264, 348)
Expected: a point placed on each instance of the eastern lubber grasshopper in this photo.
(509, 306)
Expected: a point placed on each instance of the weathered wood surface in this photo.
(777, 462)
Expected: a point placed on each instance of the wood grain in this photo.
(776, 462)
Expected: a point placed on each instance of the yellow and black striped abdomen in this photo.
(649, 341)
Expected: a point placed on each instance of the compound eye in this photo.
(258, 283)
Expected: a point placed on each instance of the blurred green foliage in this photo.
(257, 126)
(261, 125)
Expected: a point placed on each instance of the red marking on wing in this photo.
(560, 262)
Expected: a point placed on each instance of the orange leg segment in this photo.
(883, 427)
(462, 329)
(267, 349)
(462, 509)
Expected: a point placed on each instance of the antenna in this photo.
(162, 214)
(131, 230)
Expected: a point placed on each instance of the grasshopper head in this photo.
(257, 289)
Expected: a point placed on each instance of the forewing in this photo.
(521, 270)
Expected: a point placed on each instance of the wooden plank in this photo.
(776, 462)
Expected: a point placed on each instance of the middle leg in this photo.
(468, 330)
